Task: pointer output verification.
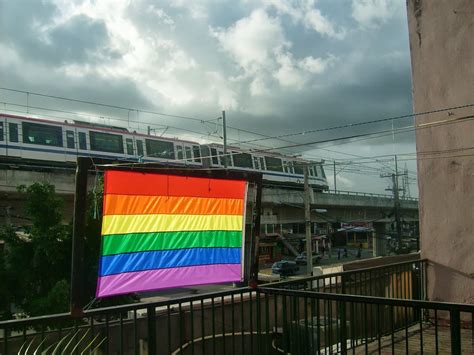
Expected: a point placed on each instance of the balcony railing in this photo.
(310, 316)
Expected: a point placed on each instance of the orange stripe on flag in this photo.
(129, 204)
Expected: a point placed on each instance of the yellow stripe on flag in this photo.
(123, 224)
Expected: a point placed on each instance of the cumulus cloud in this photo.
(305, 12)
(275, 66)
(252, 41)
(371, 13)
(259, 46)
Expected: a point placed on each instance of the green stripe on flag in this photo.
(138, 242)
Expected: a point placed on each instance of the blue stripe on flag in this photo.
(150, 260)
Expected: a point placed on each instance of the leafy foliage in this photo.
(35, 265)
(36, 261)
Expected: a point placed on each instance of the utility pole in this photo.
(224, 131)
(335, 185)
(396, 198)
(307, 220)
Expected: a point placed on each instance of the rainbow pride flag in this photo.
(161, 231)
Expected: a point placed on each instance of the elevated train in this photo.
(32, 139)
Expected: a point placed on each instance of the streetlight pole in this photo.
(307, 218)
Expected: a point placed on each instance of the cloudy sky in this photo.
(275, 67)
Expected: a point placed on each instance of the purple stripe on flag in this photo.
(167, 278)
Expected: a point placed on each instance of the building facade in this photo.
(442, 55)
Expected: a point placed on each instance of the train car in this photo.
(55, 142)
(35, 139)
(276, 168)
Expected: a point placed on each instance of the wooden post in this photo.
(79, 224)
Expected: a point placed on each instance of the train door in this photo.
(70, 148)
(197, 154)
(140, 149)
(3, 141)
(13, 138)
(82, 142)
(188, 153)
(179, 153)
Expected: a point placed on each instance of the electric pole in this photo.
(335, 186)
(396, 199)
(224, 131)
(307, 220)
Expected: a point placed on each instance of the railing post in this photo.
(151, 320)
(455, 322)
(343, 327)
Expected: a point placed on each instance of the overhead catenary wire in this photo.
(248, 131)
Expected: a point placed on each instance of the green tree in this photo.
(37, 259)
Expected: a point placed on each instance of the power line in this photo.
(363, 123)
(373, 135)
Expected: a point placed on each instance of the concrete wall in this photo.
(442, 55)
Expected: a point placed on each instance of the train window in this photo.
(189, 154)
(321, 172)
(179, 149)
(70, 139)
(13, 132)
(262, 163)
(1, 131)
(82, 141)
(274, 164)
(256, 162)
(298, 168)
(243, 160)
(129, 144)
(106, 142)
(215, 158)
(159, 149)
(35, 133)
(221, 157)
(197, 153)
(313, 171)
(140, 148)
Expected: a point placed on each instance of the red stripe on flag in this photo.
(150, 184)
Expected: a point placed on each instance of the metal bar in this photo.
(379, 331)
(213, 315)
(223, 323)
(259, 324)
(421, 330)
(406, 331)
(135, 333)
(180, 327)
(318, 326)
(251, 320)
(203, 343)
(286, 335)
(168, 326)
(233, 323)
(366, 343)
(121, 334)
(242, 327)
(191, 316)
(436, 330)
(151, 322)
(343, 327)
(267, 323)
(455, 323)
(392, 330)
(107, 333)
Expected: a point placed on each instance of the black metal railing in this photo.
(406, 280)
(278, 318)
(311, 322)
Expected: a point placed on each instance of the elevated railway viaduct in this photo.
(282, 208)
